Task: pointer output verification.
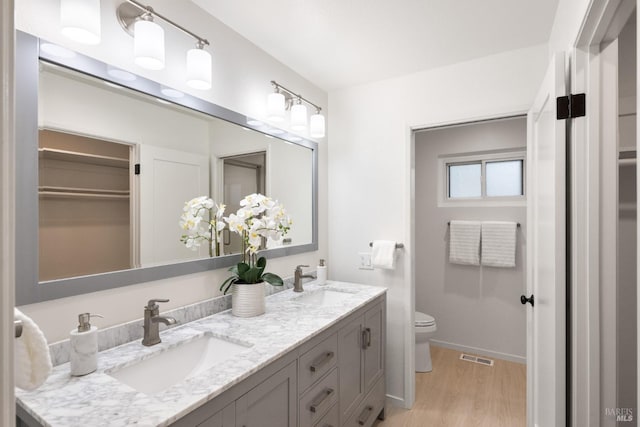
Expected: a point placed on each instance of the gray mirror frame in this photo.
(28, 289)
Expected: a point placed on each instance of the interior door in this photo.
(546, 255)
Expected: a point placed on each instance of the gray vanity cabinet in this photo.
(335, 379)
(271, 403)
(361, 364)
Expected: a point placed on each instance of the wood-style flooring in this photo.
(458, 393)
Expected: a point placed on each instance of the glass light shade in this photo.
(298, 117)
(316, 126)
(148, 45)
(80, 20)
(275, 107)
(199, 69)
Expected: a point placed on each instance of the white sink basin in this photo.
(178, 363)
(323, 297)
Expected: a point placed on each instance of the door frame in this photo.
(603, 21)
(410, 229)
(7, 214)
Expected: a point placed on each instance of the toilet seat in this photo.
(424, 320)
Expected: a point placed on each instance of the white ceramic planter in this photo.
(247, 300)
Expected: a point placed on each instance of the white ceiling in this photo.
(340, 43)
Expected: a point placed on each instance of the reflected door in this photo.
(168, 179)
(243, 175)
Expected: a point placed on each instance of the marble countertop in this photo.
(98, 399)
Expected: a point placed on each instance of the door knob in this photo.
(525, 300)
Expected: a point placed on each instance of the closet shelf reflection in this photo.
(81, 193)
(75, 156)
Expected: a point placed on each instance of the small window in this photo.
(504, 178)
(465, 181)
(492, 176)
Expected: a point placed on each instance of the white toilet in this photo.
(425, 327)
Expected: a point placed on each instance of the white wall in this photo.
(241, 77)
(477, 309)
(370, 168)
(567, 24)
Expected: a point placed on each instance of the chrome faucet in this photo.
(298, 276)
(151, 320)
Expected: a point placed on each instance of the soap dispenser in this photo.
(84, 346)
(321, 273)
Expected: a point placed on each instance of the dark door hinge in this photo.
(570, 107)
(136, 169)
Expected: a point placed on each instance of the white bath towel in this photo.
(499, 243)
(464, 242)
(32, 359)
(383, 254)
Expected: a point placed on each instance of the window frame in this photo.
(480, 158)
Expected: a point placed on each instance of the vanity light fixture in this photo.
(148, 43)
(138, 21)
(283, 99)
(298, 116)
(275, 107)
(199, 67)
(80, 20)
(317, 125)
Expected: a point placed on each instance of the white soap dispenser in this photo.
(321, 273)
(84, 346)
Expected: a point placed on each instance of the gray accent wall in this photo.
(477, 309)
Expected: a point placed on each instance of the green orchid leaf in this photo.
(253, 275)
(242, 269)
(231, 282)
(231, 279)
(262, 262)
(272, 279)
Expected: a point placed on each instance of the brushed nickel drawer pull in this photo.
(321, 361)
(324, 396)
(366, 338)
(364, 416)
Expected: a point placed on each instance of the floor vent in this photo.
(476, 359)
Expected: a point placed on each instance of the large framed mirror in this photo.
(106, 162)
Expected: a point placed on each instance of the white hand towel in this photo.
(32, 359)
(499, 243)
(383, 254)
(464, 242)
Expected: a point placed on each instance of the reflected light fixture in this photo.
(80, 20)
(138, 21)
(283, 99)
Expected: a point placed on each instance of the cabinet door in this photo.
(272, 403)
(350, 359)
(373, 351)
(224, 418)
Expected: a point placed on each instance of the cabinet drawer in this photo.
(318, 399)
(368, 410)
(331, 418)
(317, 362)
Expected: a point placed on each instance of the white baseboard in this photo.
(481, 352)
